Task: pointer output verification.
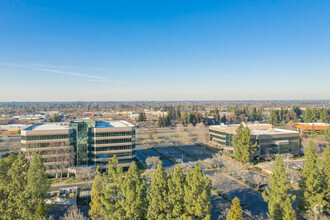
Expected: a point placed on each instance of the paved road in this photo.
(82, 185)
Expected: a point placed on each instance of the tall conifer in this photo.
(197, 194)
(37, 187)
(158, 194)
(133, 190)
(176, 184)
(111, 193)
(312, 194)
(279, 193)
(96, 203)
(235, 212)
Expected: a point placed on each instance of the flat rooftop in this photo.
(256, 129)
(113, 124)
(13, 126)
(65, 125)
(253, 126)
(273, 131)
(48, 126)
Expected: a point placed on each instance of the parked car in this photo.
(296, 167)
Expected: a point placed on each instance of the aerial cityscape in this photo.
(164, 110)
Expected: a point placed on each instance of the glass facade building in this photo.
(80, 143)
(270, 141)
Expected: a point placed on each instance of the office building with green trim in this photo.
(80, 143)
(270, 141)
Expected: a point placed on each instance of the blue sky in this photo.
(164, 50)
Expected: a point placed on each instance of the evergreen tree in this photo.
(243, 147)
(142, 116)
(158, 194)
(324, 116)
(314, 115)
(274, 117)
(223, 119)
(216, 115)
(279, 191)
(288, 211)
(5, 165)
(236, 142)
(177, 114)
(176, 184)
(133, 190)
(111, 193)
(37, 187)
(312, 195)
(197, 195)
(96, 193)
(307, 115)
(327, 133)
(40, 211)
(235, 212)
(16, 205)
(325, 171)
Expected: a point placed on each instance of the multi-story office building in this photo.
(269, 140)
(80, 143)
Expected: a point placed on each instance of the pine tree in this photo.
(279, 193)
(325, 171)
(312, 195)
(274, 117)
(96, 203)
(243, 147)
(158, 194)
(37, 187)
(133, 190)
(288, 211)
(197, 195)
(223, 119)
(5, 165)
(176, 184)
(40, 211)
(111, 193)
(237, 142)
(324, 115)
(16, 202)
(235, 212)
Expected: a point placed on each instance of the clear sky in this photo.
(126, 50)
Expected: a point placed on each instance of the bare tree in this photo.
(187, 166)
(202, 133)
(73, 213)
(152, 161)
(180, 130)
(151, 132)
(259, 180)
(249, 216)
(191, 130)
(233, 168)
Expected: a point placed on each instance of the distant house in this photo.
(308, 127)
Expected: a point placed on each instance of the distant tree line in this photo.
(118, 195)
(280, 116)
(314, 115)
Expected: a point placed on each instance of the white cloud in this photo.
(45, 69)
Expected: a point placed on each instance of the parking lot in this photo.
(143, 154)
(226, 185)
(231, 188)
